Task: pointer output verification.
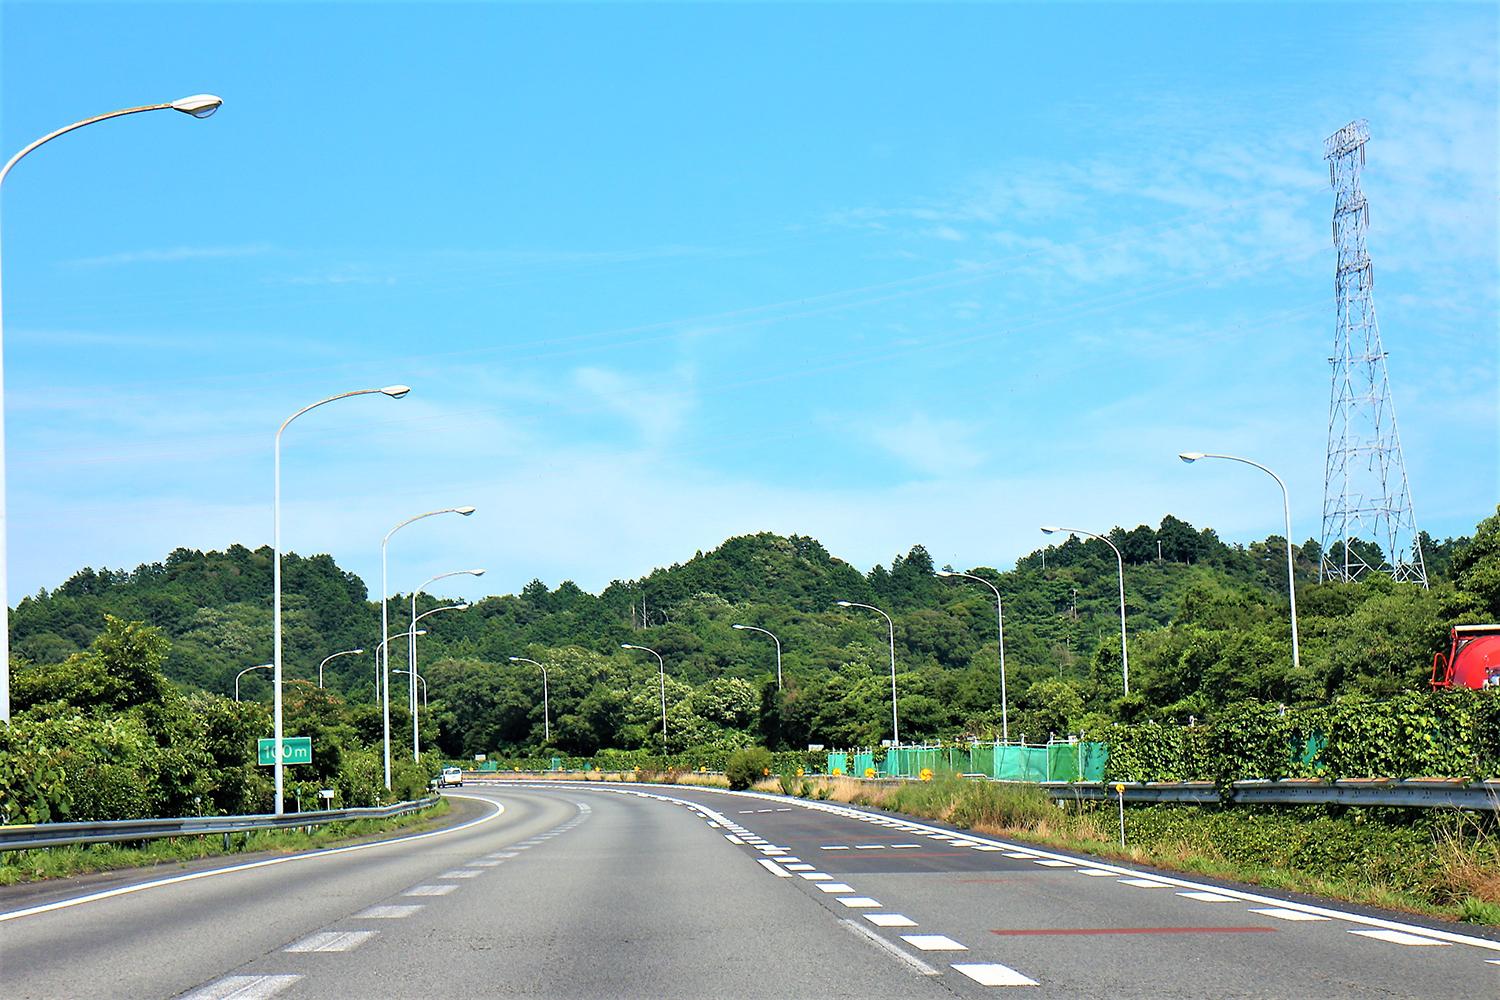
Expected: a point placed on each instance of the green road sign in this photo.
(294, 750)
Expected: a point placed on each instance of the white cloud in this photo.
(173, 255)
(933, 446)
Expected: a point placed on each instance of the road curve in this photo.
(590, 891)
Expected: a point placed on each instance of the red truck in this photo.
(1473, 661)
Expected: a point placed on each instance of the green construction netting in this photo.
(838, 762)
(1008, 762)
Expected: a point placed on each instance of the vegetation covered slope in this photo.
(1208, 629)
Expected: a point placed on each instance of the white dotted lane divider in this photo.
(1376, 928)
(393, 911)
(429, 890)
(242, 988)
(331, 941)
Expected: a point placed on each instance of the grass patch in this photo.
(60, 862)
(1444, 864)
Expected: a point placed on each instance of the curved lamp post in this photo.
(895, 722)
(420, 678)
(547, 726)
(258, 666)
(385, 629)
(416, 731)
(1286, 509)
(199, 106)
(411, 646)
(1120, 560)
(999, 624)
(393, 391)
(754, 628)
(662, 664)
(379, 648)
(347, 652)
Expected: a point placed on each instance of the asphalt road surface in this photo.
(592, 891)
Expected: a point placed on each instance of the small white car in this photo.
(451, 776)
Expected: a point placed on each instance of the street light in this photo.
(547, 726)
(258, 666)
(895, 723)
(416, 732)
(999, 624)
(385, 628)
(411, 647)
(420, 678)
(753, 628)
(199, 106)
(393, 391)
(1124, 650)
(662, 664)
(1286, 509)
(380, 647)
(334, 656)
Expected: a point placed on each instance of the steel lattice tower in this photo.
(1366, 495)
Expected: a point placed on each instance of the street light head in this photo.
(1048, 530)
(1190, 456)
(943, 572)
(515, 659)
(626, 645)
(199, 105)
(356, 652)
(844, 604)
(465, 511)
(736, 626)
(396, 391)
(475, 572)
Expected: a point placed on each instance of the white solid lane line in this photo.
(994, 974)
(123, 890)
(1050, 863)
(242, 988)
(1145, 883)
(331, 941)
(891, 949)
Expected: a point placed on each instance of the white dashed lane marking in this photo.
(834, 847)
(932, 942)
(890, 920)
(1401, 937)
(859, 901)
(815, 876)
(1207, 897)
(388, 912)
(773, 868)
(804, 867)
(460, 873)
(1096, 872)
(993, 974)
(429, 890)
(1049, 863)
(1145, 883)
(835, 887)
(1278, 912)
(331, 941)
(242, 988)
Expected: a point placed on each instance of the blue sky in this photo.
(664, 274)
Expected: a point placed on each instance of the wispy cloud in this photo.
(933, 446)
(172, 255)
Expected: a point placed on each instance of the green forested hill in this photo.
(1208, 627)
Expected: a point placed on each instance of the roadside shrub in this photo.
(745, 767)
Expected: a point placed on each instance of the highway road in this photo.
(590, 891)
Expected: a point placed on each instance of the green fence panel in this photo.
(838, 762)
(862, 762)
(1095, 756)
(1062, 761)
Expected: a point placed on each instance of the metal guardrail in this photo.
(1416, 793)
(20, 837)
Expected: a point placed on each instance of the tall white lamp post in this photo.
(1120, 560)
(258, 666)
(416, 728)
(420, 678)
(546, 725)
(663, 667)
(199, 106)
(753, 628)
(334, 656)
(380, 647)
(895, 722)
(394, 392)
(385, 628)
(411, 646)
(1000, 625)
(1286, 509)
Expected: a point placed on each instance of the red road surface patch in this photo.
(1136, 930)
